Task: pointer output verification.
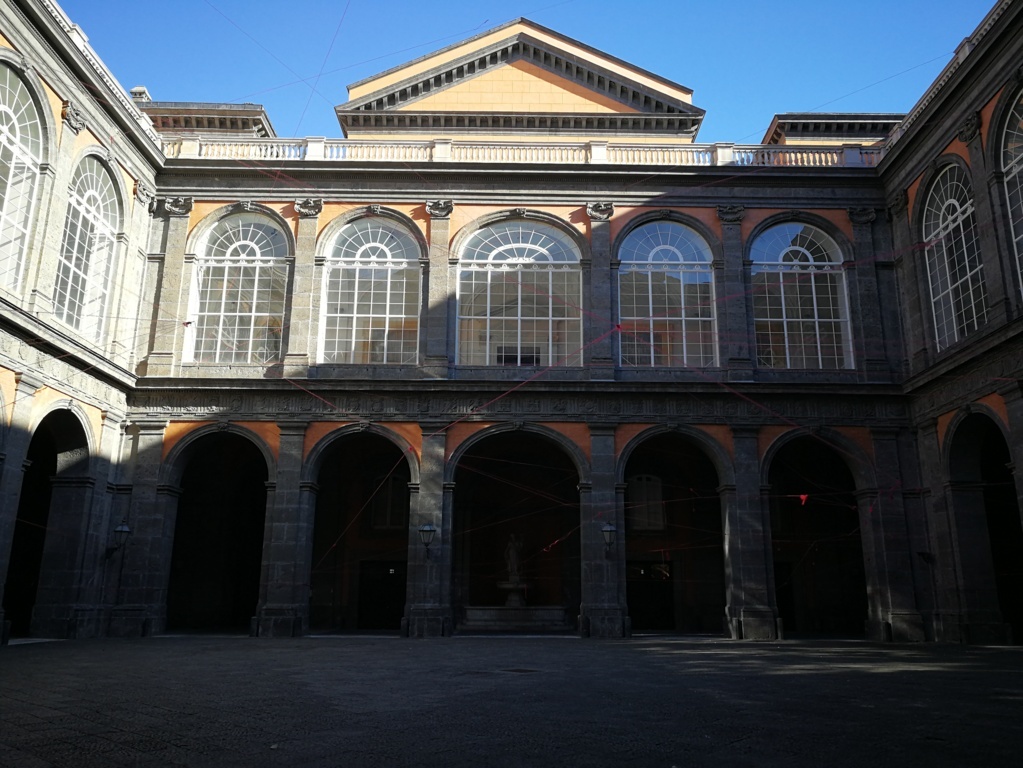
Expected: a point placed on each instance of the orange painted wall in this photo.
(626, 432)
(47, 396)
(203, 208)
(985, 118)
(267, 431)
(459, 433)
(623, 215)
(8, 388)
(955, 147)
(577, 433)
(861, 436)
(767, 435)
(996, 403)
(415, 212)
(575, 216)
(318, 430)
(754, 216)
(721, 434)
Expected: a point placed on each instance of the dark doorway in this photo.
(820, 585)
(360, 539)
(675, 578)
(218, 537)
(58, 448)
(524, 486)
(981, 476)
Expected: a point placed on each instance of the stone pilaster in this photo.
(869, 332)
(915, 291)
(437, 330)
(173, 290)
(283, 609)
(602, 612)
(732, 298)
(599, 356)
(303, 329)
(750, 611)
(428, 592)
(140, 604)
(12, 470)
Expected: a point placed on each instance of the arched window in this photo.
(666, 297)
(1012, 166)
(958, 298)
(800, 310)
(371, 295)
(20, 154)
(239, 291)
(86, 263)
(519, 297)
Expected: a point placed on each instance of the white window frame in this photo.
(1012, 168)
(379, 323)
(524, 281)
(955, 270)
(21, 146)
(88, 252)
(238, 297)
(667, 257)
(799, 298)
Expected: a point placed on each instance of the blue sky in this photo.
(744, 60)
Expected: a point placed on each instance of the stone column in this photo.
(750, 611)
(428, 590)
(172, 293)
(140, 606)
(600, 318)
(865, 323)
(996, 262)
(1003, 235)
(284, 592)
(303, 327)
(438, 314)
(602, 612)
(732, 298)
(43, 270)
(12, 471)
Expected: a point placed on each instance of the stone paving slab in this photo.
(507, 702)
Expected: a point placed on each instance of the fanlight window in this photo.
(20, 155)
(800, 309)
(239, 291)
(666, 297)
(371, 295)
(86, 263)
(519, 297)
(1012, 166)
(952, 248)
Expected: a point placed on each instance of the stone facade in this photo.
(280, 461)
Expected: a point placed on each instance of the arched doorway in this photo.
(54, 500)
(218, 536)
(360, 538)
(819, 580)
(988, 525)
(516, 536)
(675, 568)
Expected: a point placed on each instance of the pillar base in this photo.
(603, 621)
(907, 627)
(130, 621)
(280, 622)
(427, 622)
(755, 624)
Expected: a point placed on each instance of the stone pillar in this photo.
(284, 589)
(732, 298)
(866, 324)
(140, 605)
(303, 327)
(1003, 235)
(428, 591)
(886, 521)
(12, 470)
(601, 318)
(43, 270)
(173, 291)
(996, 262)
(602, 612)
(750, 612)
(437, 329)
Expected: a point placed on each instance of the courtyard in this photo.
(362, 700)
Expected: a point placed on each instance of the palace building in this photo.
(517, 353)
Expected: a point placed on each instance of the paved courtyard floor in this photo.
(503, 701)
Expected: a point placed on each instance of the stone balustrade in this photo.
(583, 153)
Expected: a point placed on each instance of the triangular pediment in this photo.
(519, 78)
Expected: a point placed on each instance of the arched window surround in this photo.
(520, 292)
(371, 292)
(947, 226)
(1007, 147)
(239, 295)
(667, 306)
(799, 297)
(87, 260)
